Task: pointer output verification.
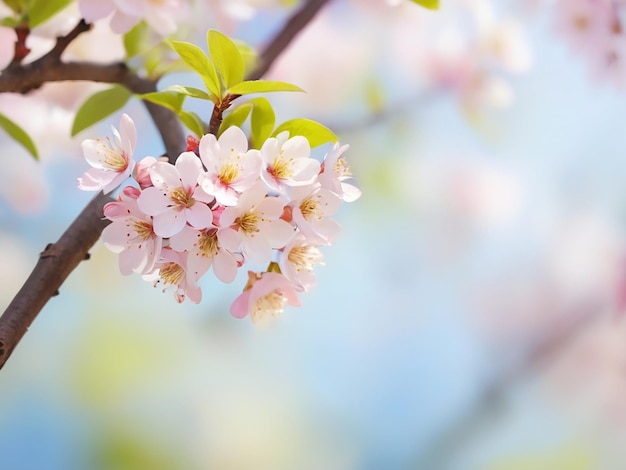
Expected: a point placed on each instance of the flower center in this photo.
(311, 208)
(228, 173)
(342, 168)
(112, 159)
(248, 222)
(304, 257)
(171, 273)
(270, 305)
(181, 198)
(143, 229)
(281, 168)
(208, 244)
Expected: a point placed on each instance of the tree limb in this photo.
(58, 260)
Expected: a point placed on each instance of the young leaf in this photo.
(236, 117)
(261, 86)
(193, 122)
(16, 5)
(40, 11)
(195, 58)
(99, 106)
(189, 91)
(169, 99)
(19, 135)
(135, 42)
(262, 121)
(226, 58)
(316, 133)
(430, 4)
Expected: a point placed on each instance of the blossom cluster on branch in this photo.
(220, 205)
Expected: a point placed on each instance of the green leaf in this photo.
(193, 122)
(10, 22)
(316, 133)
(99, 106)
(16, 5)
(169, 99)
(135, 42)
(195, 58)
(430, 4)
(236, 117)
(226, 58)
(40, 11)
(261, 86)
(19, 135)
(189, 91)
(262, 121)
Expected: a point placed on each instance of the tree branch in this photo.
(58, 260)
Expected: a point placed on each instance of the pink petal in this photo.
(199, 215)
(128, 134)
(169, 223)
(225, 267)
(189, 168)
(153, 201)
(241, 305)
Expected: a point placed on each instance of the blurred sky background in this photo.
(469, 316)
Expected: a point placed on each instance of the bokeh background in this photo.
(469, 316)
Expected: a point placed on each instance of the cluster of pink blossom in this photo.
(219, 205)
(595, 28)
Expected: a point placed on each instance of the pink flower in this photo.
(311, 208)
(176, 199)
(255, 224)
(287, 162)
(131, 234)
(161, 15)
(172, 272)
(205, 251)
(335, 171)
(231, 167)
(297, 261)
(111, 162)
(264, 297)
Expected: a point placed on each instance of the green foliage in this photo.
(430, 4)
(19, 135)
(170, 99)
(262, 121)
(261, 86)
(99, 106)
(236, 117)
(226, 57)
(17, 6)
(135, 42)
(193, 122)
(39, 11)
(189, 91)
(195, 58)
(315, 133)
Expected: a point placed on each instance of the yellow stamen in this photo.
(228, 173)
(248, 222)
(171, 273)
(270, 305)
(208, 244)
(342, 168)
(143, 229)
(281, 167)
(304, 257)
(311, 208)
(181, 199)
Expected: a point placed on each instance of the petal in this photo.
(233, 141)
(297, 147)
(278, 233)
(257, 249)
(241, 305)
(169, 223)
(189, 168)
(229, 239)
(209, 151)
(165, 175)
(153, 201)
(270, 207)
(128, 134)
(225, 267)
(185, 239)
(199, 215)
